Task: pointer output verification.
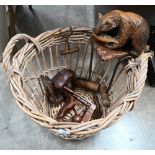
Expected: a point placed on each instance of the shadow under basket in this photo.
(46, 55)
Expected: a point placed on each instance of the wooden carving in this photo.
(129, 26)
(59, 90)
(107, 54)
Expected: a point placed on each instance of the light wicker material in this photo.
(42, 55)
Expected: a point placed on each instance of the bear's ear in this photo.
(117, 11)
(99, 15)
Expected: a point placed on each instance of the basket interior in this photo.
(51, 61)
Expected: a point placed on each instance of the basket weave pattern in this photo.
(43, 55)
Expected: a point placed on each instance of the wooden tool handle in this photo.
(88, 114)
(78, 97)
(90, 85)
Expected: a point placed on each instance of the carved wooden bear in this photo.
(130, 26)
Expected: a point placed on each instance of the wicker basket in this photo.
(44, 55)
